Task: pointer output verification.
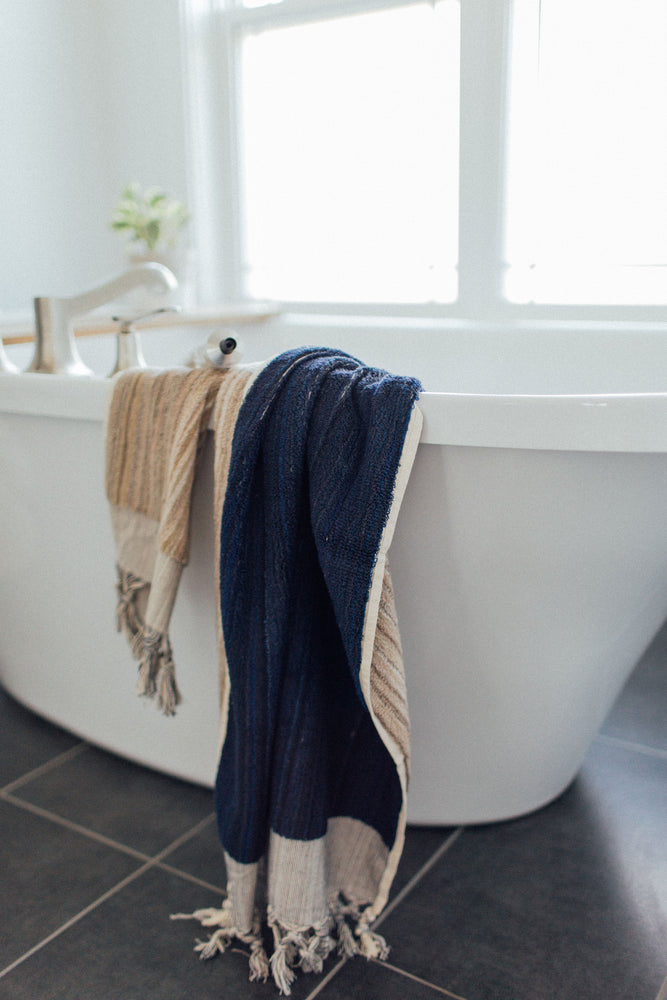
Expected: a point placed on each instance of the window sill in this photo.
(21, 330)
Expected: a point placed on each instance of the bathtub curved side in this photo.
(528, 580)
(60, 653)
(528, 584)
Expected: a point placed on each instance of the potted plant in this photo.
(154, 222)
(151, 218)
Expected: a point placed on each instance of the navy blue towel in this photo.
(316, 451)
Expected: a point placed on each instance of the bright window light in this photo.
(349, 157)
(587, 191)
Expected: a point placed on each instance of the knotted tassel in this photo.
(219, 941)
(157, 674)
(259, 962)
(347, 946)
(311, 957)
(281, 960)
(302, 947)
(128, 620)
(168, 695)
(210, 916)
(371, 944)
(340, 910)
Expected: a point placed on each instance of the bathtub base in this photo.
(523, 609)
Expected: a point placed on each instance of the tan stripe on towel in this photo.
(389, 698)
(151, 451)
(224, 422)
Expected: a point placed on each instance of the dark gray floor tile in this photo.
(48, 874)
(568, 902)
(362, 980)
(129, 949)
(421, 843)
(202, 857)
(639, 714)
(27, 741)
(130, 804)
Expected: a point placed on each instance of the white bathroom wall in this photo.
(90, 98)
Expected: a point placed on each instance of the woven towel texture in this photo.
(155, 430)
(156, 426)
(316, 450)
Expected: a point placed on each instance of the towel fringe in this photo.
(128, 619)
(304, 948)
(345, 929)
(258, 962)
(371, 944)
(281, 963)
(157, 673)
(227, 931)
(340, 910)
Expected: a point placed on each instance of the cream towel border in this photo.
(411, 442)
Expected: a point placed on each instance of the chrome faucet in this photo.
(128, 345)
(55, 347)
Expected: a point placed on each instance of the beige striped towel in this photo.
(156, 423)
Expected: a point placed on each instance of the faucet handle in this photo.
(129, 353)
(127, 322)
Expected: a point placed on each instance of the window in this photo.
(349, 147)
(587, 205)
(481, 158)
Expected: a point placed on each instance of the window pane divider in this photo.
(485, 28)
(216, 184)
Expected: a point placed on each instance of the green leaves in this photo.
(151, 216)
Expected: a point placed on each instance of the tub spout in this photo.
(55, 347)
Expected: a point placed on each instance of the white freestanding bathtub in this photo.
(529, 561)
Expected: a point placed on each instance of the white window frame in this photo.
(211, 73)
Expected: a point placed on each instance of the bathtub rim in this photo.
(606, 422)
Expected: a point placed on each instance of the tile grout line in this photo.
(327, 979)
(662, 992)
(49, 765)
(418, 979)
(68, 824)
(100, 838)
(154, 862)
(641, 748)
(426, 867)
(183, 838)
(219, 890)
(157, 861)
(418, 876)
(77, 917)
